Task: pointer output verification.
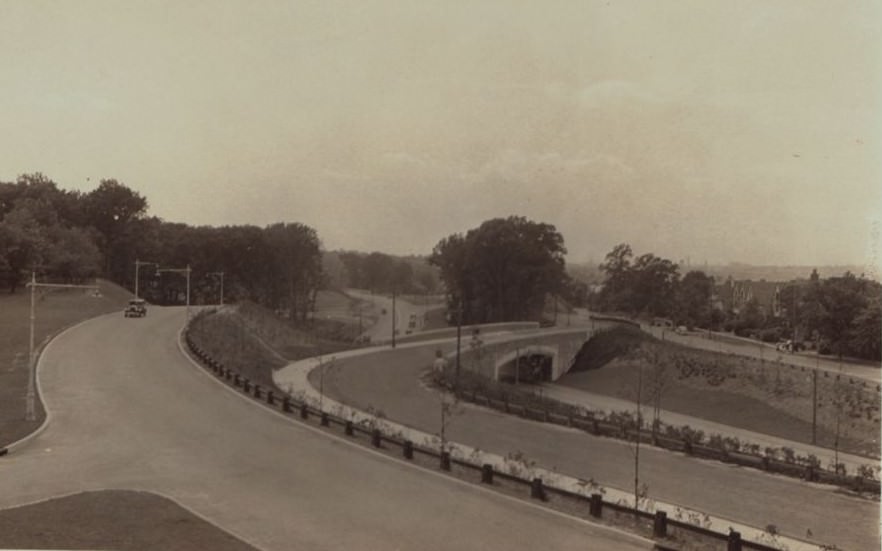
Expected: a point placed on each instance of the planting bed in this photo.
(761, 396)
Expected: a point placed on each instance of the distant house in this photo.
(734, 295)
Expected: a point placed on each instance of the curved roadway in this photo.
(128, 411)
(390, 381)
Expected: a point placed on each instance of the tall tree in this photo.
(110, 209)
(693, 303)
(502, 270)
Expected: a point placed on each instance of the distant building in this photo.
(734, 295)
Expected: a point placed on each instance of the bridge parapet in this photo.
(491, 356)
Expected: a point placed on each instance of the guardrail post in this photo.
(445, 461)
(349, 429)
(408, 449)
(734, 543)
(270, 398)
(286, 404)
(376, 439)
(246, 384)
(660, 525)
(596, 506)
(257, 391)
(325, 420)
(487, 473)
(304, 411)
(237, 381)
(537, 491)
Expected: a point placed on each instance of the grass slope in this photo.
(112, 519)
(55, 310)
(747, 393)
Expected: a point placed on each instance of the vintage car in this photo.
(137, 308)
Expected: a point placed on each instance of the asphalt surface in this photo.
(389, 381)
(128, 411)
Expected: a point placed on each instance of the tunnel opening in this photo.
(530, 368)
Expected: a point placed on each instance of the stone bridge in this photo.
(538, 354)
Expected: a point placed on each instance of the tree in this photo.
(654, 282)
(866, 332)
(693, 306)
(841, 300)
(617, 287)
(296, 267)
(502, 270)
(110, 208)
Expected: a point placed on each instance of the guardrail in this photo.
(598, 427)
(662, 527)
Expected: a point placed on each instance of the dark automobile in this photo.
(137, 308)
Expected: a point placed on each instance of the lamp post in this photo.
(138, 264)
(187, 271)
(30, 409)
(458, 338)
(394, 320)
(221, 274)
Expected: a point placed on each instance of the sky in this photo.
(712, 130)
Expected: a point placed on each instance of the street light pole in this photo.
(138, 265)
(393, 318)
(30, 399)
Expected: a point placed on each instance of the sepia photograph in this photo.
(440, 275)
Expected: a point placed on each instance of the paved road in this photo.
(129, 412)
(389, 381)
(404, 312)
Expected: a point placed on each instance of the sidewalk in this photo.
(608, 404)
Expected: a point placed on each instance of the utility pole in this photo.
(637, 448)
(30, 400)
(814, 406)
(221, 274)
(458, 338)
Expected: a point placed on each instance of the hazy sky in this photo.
(717, 130)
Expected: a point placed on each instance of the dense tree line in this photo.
(383, 273)
(71, 236)
(502, 270)
(841, 314)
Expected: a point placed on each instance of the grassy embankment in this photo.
(765, 397)
(256, 342)
(55, 310)
(112, 519)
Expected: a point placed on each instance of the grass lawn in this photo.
(55, 310)
(112, 519)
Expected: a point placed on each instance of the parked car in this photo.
(137, 308)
